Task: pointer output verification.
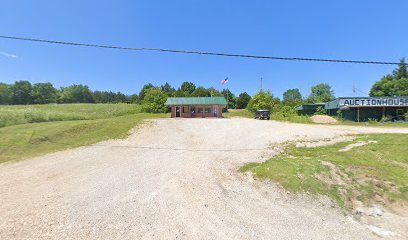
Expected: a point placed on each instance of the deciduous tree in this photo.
(154, 100)
(321, 93)
(5, 94)
(395, 84)
(231, 99)
(292, 97)
(76, 94)
(42, 93)
(262, 100)
(21, 92)
(243, 100)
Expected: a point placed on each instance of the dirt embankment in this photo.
(174, 178)
(323, 119)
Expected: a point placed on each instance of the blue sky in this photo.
(346, 29)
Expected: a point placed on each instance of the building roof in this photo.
(309, 106)
(195, 101)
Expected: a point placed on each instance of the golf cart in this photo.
(263, 114)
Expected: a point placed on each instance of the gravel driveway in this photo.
(171, 179)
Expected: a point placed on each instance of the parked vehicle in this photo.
(263, 114)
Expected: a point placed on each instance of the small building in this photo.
(196, 107)
(364, 108)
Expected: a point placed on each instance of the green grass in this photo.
(373, 123)
(243, 113)
(13, 115)
(104, 121)
(291, 118)
(367, 173)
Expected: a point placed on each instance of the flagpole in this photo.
(227, 95)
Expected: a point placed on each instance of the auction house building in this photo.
(196, 107)
(362, 108)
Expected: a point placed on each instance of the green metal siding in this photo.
(336, 103)
(195, 101)
(308, 109)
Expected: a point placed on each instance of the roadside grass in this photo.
(243, 113)
(59, 127)
(374, 173)
(291, 118)
(21, 114)
(373, 123)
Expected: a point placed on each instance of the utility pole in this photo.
(354, 91)
(261, 83)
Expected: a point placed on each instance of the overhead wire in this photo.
(198, 52)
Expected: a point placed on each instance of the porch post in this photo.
(358, 114)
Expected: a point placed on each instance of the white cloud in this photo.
(8, 55)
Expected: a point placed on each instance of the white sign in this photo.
(374, 102)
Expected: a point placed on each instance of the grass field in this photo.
(12, 115)
(376, 172)
(39, 129)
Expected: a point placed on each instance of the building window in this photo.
(207, 109)
(200, 109)
(185, 109)
(192, 109)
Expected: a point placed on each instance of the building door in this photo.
(215, 111)
(178, 111)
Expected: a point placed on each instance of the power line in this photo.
(200, 52)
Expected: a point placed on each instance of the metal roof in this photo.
(196, 101)
(309, 106)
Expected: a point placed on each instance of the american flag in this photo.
(225, 81)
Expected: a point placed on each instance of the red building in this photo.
(193, 107)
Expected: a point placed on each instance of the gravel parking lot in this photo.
(171, 179)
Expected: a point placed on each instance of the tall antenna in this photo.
(261, 83)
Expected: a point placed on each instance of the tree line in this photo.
(23, 93)
(153, 97)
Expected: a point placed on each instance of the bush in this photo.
(289, 114)
(384, 119)
(154, 100)
(320, 111)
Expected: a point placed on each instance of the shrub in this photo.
(320, 111)
(154, 100)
